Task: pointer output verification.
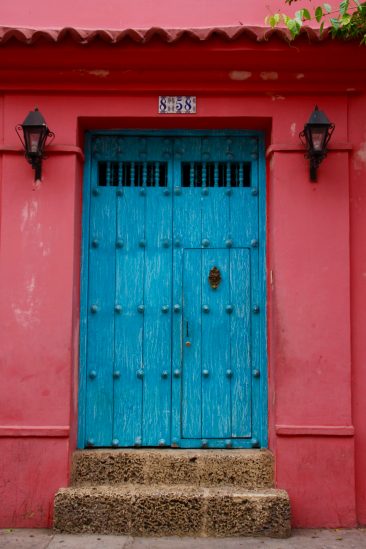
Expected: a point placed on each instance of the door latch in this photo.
(188, 343)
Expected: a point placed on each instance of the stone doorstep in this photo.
(140, 510)
(249, 469)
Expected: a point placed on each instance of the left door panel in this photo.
(128, 354)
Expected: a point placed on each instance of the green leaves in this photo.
(294, 26)
(360, 7)
(343, 7)
(303, 15)
(335, 23)
(318, 14)
(346, 22)
(346, 19)
(273, 20)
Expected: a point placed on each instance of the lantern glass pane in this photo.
(34, 139)
(318, 136)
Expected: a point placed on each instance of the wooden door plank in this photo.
(260, 386)
(157, 303)
(130, 263)
(191, 374)
(258, 305)
(84, 289)
(244, 228)
(157, 324)
(240, 342)
(186, 235)
(244, 199)
(216, 396)
(216, 404)
(100, 350)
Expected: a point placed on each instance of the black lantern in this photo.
(315, 137)
(35, 133)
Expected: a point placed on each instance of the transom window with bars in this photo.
(133, 174)
(216, 174)
(155, 174)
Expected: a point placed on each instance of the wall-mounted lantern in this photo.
(315, 136)
(35, 134)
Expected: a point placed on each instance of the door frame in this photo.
(260, 412)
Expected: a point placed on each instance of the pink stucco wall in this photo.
(116, 14)
(357, 130)
(316, 266)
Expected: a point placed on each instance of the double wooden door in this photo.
(173, 291)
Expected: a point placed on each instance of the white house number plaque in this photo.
(177, 104)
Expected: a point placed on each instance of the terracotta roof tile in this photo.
(142, 36)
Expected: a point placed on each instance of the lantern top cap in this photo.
(318, 117)
(34, 118)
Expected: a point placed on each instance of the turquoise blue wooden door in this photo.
(173, 291)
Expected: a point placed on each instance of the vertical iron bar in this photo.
(228, 174)
(191, 174)
(241, 175)
(204, 174)
(108, 175)
(132, 174)
(120, 181)
(216, 174)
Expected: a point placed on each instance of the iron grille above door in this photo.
(173, 341)
(132, 174)
(216, 174)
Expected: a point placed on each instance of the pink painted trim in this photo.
(315, 430)
(284, 147)
(53, 149)
(66, 149)
(30, 431)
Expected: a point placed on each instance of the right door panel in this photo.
(216, 362)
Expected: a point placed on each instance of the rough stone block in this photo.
(180, 510)
(253, 513)
(245, 468)
(92, 510)
(163, 512)
(107, 467)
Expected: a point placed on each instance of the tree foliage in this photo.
(347, 21)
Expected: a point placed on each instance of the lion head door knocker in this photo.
(214, 278)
